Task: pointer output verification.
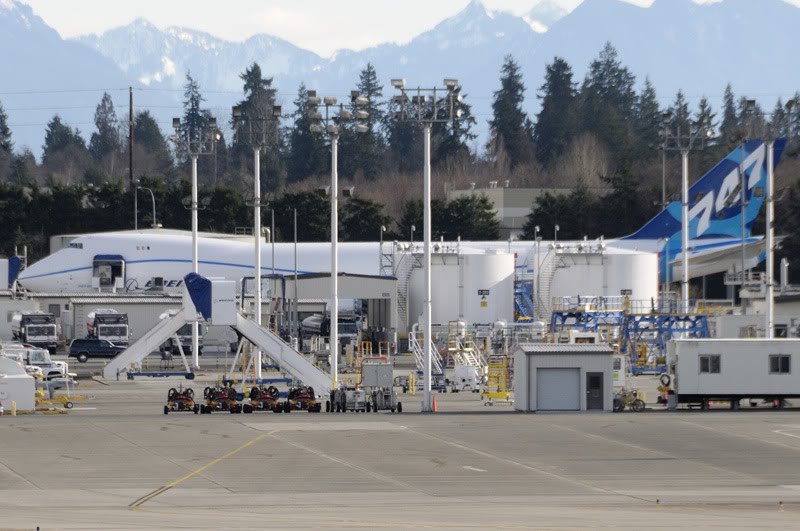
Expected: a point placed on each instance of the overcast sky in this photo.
(317, 25)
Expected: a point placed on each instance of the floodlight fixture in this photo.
(212, 123)
(236, 111)
(345, 116)
(329, 100)
(315, 128)
(360, 100)
(276, 111)
(332, 129)
(399, 83)
(362, 128)
(361, 115)
(400, 116)
(176, 123)
(451, 84)
(400, 100)
(418, 100)
(315, 116)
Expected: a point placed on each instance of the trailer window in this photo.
(780, 364)
(710, 364)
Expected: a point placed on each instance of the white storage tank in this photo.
(613, 272)
(474, 286)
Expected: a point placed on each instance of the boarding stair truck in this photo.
(213, 302)
(110, 325)
(35, 328)
(706, 370)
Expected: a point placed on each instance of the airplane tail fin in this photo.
(715, 199)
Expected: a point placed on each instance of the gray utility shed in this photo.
(563, 377)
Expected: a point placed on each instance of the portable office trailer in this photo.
(733, 369)
(563, 377)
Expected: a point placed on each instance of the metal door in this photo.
(558, 389)
(594, 390)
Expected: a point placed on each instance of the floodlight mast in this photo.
(427, 113)
(694, 139)
(259, 137)
(197, 141)
(331, 125)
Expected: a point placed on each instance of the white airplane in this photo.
(132, 259)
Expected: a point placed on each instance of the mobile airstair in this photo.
(214, 302)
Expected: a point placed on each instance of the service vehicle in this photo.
(84, 349)
(347, 398)
(302, 399)
(29, 355)
(264, 399)
(110, 325)
(220, 399)
(35, 328)
(181, 400)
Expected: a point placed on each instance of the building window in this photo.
(780, 364)
(782, 331)
(710, 363)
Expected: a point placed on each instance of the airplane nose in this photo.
(35, 277)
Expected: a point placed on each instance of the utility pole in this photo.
(130, 163)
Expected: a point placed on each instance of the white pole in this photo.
(685, 227)
(427, 404)
(770, 240)
(334, 341)
(195, 269)
(257, 235)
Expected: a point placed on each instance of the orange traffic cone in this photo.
(435, 409)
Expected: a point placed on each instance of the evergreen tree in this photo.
(58, 137)
(680, 119)
(361, 220)
(648, 121)
(405, 143)
(729, 128)
(259, 126)
(106, 139)
(471, 218)
(452, 137)
(371, 143)
(555, 123)
(779, 123)
(6, 144)
(752, 121)
(147, 134)
(613, 83)
(510, 126)
(608, 101)
(313, 217)
(23, 168)
(307, 155)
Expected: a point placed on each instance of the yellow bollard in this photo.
(412, 384)
(13, 408)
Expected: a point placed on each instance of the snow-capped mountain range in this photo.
(677, 43)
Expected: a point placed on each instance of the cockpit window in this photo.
(75, 245)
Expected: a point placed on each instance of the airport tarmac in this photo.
(117, 462)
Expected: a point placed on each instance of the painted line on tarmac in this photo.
(83, 408)
(348, 464)
(474, 469)
(787, 434)
(522, 465)
(208, 465)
